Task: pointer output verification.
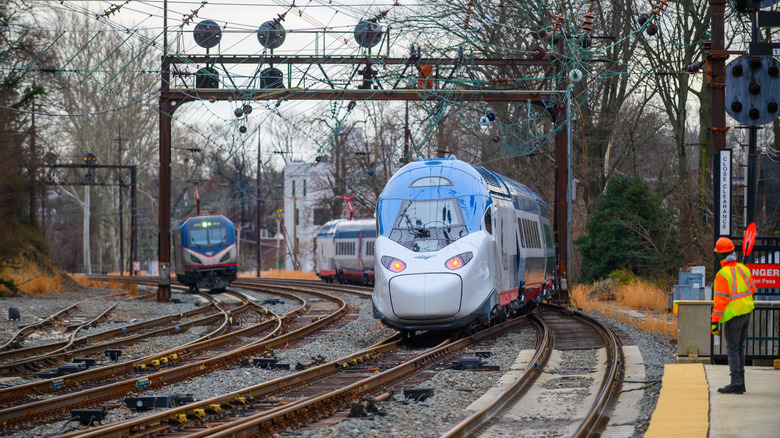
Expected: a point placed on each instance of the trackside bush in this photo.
(631, 230)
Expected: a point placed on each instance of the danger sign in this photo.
(765, 275)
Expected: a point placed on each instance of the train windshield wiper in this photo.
(420, 231)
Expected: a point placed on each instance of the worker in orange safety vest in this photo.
(733, 291)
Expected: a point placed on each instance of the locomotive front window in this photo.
(428, 225)
(208, 238)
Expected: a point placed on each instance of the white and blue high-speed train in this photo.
(204, 252)
(458, 245)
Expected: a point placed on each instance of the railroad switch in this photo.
(163, 360)
(418, 394)
(241, 400)
(150, 402)
(200, 413)
(140, 366)
(263, 362)
(173, 356)
(113, 353)
(155, 362)
(473, 363)
(358, 410)
(71, 368)
(89, 361)
(89, 416)
(215, 408)
(181, 418)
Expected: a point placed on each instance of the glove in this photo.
(714, 330)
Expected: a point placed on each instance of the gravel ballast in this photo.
(454, 389)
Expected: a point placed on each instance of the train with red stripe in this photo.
(459, 245)
(204, 252)
(344, 251)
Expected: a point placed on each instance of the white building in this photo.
(305, 184)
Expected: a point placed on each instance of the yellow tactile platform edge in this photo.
(683, 404)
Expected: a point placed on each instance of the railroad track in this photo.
(33, 359)
(495, 418)
(273, 333)
(16, 340)
(296, 400)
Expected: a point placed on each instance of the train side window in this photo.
(488, 222)
(522, 236)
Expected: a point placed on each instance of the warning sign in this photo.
(765, 275)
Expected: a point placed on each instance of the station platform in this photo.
(690, 405)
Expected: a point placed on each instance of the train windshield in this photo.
(207, 234)
(428, 225)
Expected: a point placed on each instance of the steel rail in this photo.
(77, 380)
(47, 408)
(30, 363)
(318, 284)
(171, 417)
(313, 408)
(612, 382)
(110, 334)
(44, 409)
(544, 349)
(25, 330)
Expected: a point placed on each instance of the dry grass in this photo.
(82, 279)
(42, 285)
(637, 303)
(278, 273)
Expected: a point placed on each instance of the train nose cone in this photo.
(426, 296)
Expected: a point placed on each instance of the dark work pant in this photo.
(735, 332)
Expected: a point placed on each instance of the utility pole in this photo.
(259, 207)
(121, 213)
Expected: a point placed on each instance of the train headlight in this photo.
(459, 260)
(225, 257)
(393, 264)
(195, 260)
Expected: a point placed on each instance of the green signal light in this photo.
(204, 224)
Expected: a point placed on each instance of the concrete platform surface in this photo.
(755, 413)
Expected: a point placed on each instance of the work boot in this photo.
(732, 389)
(743, 381)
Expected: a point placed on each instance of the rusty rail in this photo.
(544, 348)
(44, 409)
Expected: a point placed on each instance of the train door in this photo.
(507, 249)
(522, 252)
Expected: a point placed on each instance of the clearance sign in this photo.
(765, 275)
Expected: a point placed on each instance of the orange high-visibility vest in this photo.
(733, 291)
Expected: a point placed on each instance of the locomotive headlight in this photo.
(195, 260)
(225, 257)
(393, 264)
(459, 260)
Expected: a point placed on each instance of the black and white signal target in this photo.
(207, 34)
(271, 77)
(271, 34)
(368, 34)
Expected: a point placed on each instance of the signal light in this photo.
(458, 261)
(393, 264)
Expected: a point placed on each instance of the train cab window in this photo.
(431, 181)
(428, 224)
(207, 237)
(488, 222)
